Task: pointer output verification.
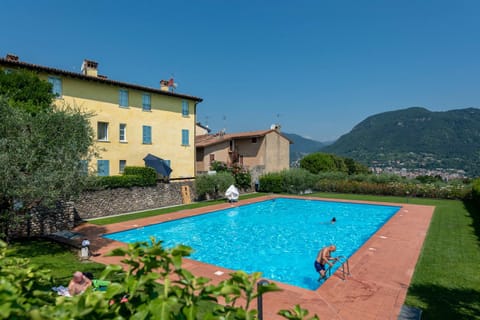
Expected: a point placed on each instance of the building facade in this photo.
(130, 121)
(259, 151)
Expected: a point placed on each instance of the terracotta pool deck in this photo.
(381, 269)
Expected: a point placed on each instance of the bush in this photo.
(476, 191)
(213, 186)
(298, 180)
(243, 178)
(148, 175)
(132, 177)
(271, 182)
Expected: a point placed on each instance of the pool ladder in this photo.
(345, 271)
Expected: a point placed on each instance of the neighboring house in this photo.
(130, 121)
(259, 151)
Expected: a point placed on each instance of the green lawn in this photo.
(63, 261)
(446, 283)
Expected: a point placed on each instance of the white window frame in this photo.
(122, 131)
(105, 129)
(121, 165)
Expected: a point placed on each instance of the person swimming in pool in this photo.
(333, 220)
(324, 257)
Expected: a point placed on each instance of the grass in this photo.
(60, 259)
(446, 283)
(156, 212)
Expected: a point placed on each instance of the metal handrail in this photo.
(344, 261)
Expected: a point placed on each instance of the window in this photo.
(146, 102)
(147, 134)
(102, 131)
(123, 132)
(185, 111)
(56, 86)
(254, 140)
(123, 98)
(121, 165)
(103, 168)
(185, 137)
(212, 157)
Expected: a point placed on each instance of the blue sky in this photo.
(316, 67)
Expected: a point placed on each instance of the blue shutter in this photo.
(56, 86)
(185, 110)
(147, 134)
(185, 137)
(103, 168)
(123, 98)
(146, 102)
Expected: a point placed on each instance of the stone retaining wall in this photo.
(41, 221)
(102, 203)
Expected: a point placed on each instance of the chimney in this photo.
(11, 57)
(90, 68)
(164, 85)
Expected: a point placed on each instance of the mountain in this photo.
(415, 138)
(302, 146)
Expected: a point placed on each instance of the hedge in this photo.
(476, 191)
(132, 177)
(296, 181)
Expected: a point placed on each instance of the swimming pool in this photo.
(279, 237)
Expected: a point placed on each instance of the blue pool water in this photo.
(279, 237)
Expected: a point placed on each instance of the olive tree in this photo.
(40, 153)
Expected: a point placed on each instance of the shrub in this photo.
(132, 177)
(213, 186)
(298, 180)
(271, 182)
(149, 175)
(243, 178)
(476, 191)
(121, 181)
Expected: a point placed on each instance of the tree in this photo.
(24, 90)
(318, 162)
(41, 149)
(324, 162)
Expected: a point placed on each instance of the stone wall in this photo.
(101, 203)
(41, 221)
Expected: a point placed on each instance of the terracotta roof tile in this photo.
(15, 63)
(212, 139)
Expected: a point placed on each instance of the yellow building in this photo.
(130, 121)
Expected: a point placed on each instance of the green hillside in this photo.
(302, 146)
(415, 138)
